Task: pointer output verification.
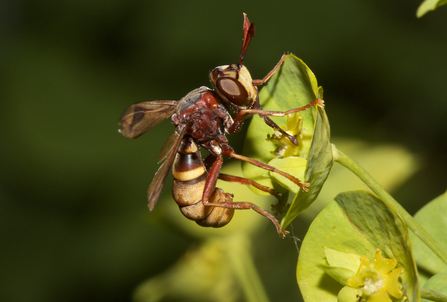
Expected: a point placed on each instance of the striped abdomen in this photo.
(189, 183)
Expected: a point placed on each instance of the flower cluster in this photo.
(377, 280)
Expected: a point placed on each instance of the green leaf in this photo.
(340, 266)
(429, 5)
(433, 218)
(292, 86)
(292, 165)
(437, 283)
(339, 274)
(319, 165)
(336, 258)
(355, 223)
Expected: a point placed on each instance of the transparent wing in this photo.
(167, 146)
(154, 190)
(140, 117)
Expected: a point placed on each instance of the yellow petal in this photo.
(383, 265)
(392, 283)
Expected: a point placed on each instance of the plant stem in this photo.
(432, 295)
(411, 223)
(242, 262)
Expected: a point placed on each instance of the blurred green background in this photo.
(74, 223)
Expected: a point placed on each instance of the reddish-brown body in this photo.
(206, 117)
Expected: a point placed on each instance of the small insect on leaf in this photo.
(202, 118)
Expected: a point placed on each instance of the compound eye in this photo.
(232, 90)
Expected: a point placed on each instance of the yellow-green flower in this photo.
(351, 229)
(284, 147)
(378, 280)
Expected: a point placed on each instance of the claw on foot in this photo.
(283, 233)
(320, 103)
(304, 186)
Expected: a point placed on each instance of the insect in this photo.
(202, 119)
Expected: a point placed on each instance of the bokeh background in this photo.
(73, 219)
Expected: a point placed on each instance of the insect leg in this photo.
(246, 206)
(271, 73)
(210, 187)
(257, 109)
(248, 182)
(228, 151)
(211, 180)
(264, 113)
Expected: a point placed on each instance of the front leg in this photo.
(257, 109)
(238, 122)
(271, 73)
